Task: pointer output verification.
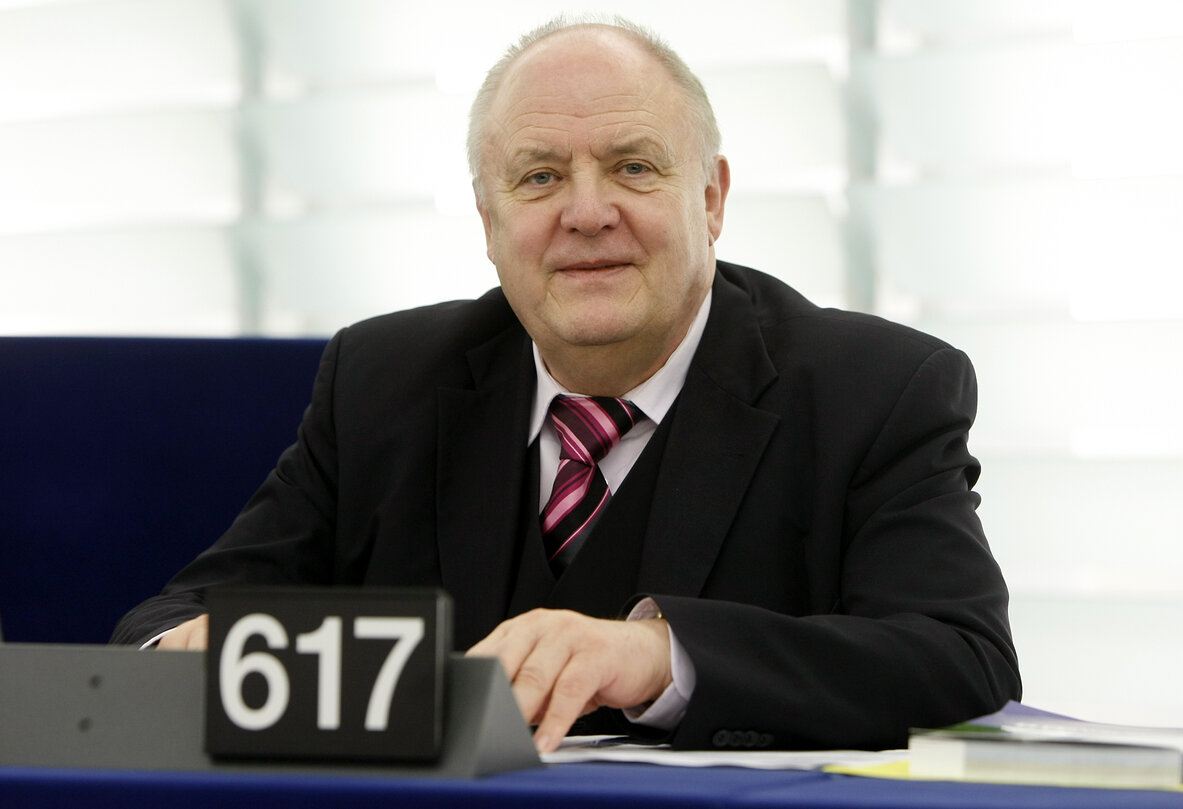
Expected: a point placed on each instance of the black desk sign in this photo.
(327, 673)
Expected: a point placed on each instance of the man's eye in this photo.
(540, 178)
(635, 169)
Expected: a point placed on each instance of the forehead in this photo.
(585, 84)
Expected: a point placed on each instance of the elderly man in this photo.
(778, 497)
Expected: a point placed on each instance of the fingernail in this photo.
(542, 744)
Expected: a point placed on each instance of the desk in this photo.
(570, 786)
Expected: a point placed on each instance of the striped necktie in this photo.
(587, 427)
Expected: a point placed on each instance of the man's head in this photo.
(699, 105)
(597, 179)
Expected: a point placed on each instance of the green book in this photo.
(1024, 745)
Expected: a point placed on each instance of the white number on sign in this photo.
(234, 666)
(406, 634)
(325, 643)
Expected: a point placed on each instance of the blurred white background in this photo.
(1007, 174)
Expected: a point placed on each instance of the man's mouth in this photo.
(594, 265)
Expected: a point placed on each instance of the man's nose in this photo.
(589, 208)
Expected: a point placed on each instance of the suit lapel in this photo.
(716, 441)
(482, 456)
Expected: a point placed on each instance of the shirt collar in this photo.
(655, 396)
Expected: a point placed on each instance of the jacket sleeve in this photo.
(919, 634)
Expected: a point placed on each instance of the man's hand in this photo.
(564, 664)
(193, 635)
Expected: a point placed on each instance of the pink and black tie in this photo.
(588, 427)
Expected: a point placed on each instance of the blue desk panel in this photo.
(620, 786)
(841, 792)
(571, 786)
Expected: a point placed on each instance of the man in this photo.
(790, 521)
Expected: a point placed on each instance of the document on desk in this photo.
(620, 749)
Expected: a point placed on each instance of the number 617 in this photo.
(325, 643)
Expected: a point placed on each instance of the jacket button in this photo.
(742, 738)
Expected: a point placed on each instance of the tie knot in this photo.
(589, 426)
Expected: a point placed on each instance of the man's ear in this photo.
(718, 184)
(485, 218)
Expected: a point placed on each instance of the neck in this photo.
(608, 370)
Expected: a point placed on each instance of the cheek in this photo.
(668, 226)
(522, 236)
(533, 238)
(516, 251)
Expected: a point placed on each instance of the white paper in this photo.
(613, 749)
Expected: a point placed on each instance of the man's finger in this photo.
(192, 635)
(535, 678)
(512, 642)
(571, 696)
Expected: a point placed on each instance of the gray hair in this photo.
(702, 114)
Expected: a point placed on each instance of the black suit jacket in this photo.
(812, 535)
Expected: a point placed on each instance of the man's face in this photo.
(597, 213)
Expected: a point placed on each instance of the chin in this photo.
(595, 332)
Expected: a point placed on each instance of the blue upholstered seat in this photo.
(122, 458)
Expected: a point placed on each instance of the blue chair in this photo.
(122, 458)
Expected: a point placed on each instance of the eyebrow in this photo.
(526, 155)
(643, 144)
(638, 145)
